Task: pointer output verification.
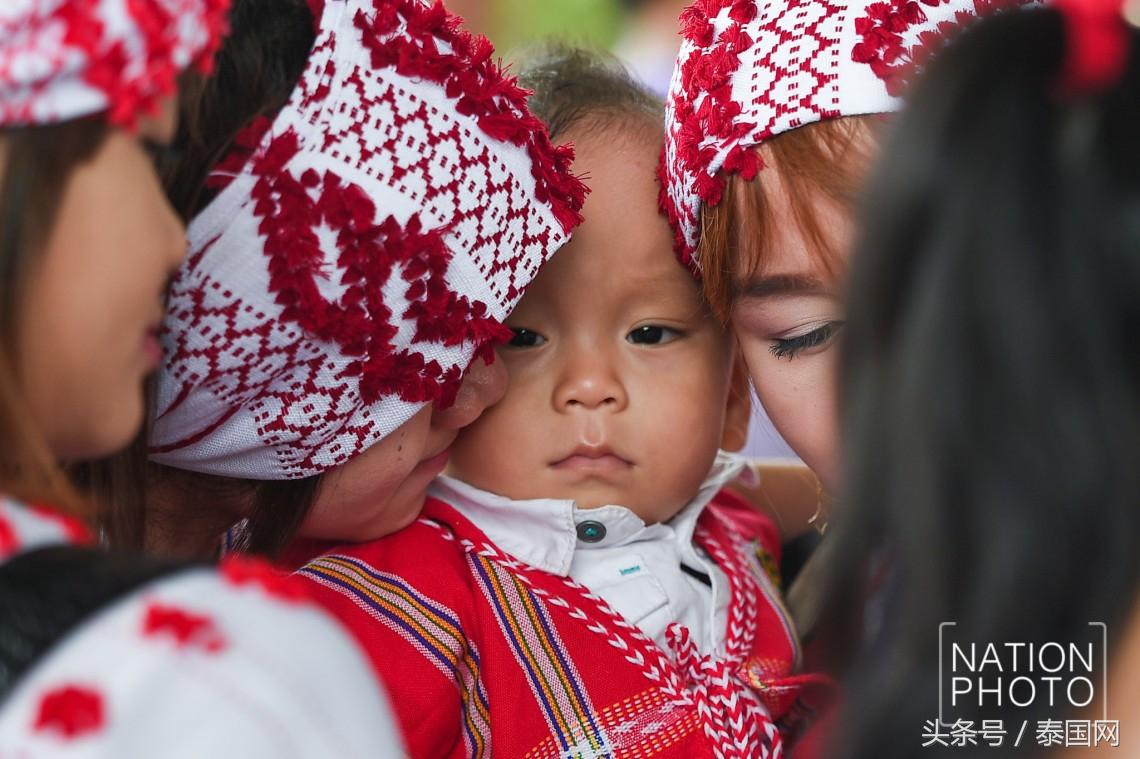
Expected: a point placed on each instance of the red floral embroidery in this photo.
(370, 252)
(241, 570)
(405, 35)
(75, 530)
(188, 630)
(881, 29)
(108, 59)
(72, 711)
(463, 65)
(707, 76)
(794, 74)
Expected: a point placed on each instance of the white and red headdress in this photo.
(750, 70)
(362, 253)
(64, 59)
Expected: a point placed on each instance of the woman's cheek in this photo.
(799, 396)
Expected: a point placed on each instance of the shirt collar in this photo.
(543, 531)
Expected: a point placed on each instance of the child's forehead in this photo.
(622, 253)
(612, 141)
(594, 276)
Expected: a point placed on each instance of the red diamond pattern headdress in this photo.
(364, 249)
(750, 70)
(64, 59)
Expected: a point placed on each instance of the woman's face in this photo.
(383, 489)
(86, 336)
(788, 316)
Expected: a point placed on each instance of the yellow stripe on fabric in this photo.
(364, 587)
(532, 662)
(579, 707)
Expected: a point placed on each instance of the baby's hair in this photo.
(578, 88)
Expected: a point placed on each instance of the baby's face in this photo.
(618, 374)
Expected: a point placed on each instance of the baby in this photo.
(580, 584)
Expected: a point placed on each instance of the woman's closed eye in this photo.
(653, 334)
(525, 338)
(790, 347)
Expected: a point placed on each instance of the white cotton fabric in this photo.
(286, 681)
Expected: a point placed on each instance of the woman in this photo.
(773, 118)
(362, 218)
(773, 115)
(995, 476)
(105, 655)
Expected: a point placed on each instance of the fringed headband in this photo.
(750, 70)
(65, 59)
(364, 249)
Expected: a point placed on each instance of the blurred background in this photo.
(644, 34)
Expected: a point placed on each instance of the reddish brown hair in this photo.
(825, 160)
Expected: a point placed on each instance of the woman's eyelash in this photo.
(790, 347)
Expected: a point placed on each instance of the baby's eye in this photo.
(652, 335)
(525, 338)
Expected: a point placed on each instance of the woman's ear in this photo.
(738, 411)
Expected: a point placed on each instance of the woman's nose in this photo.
(483, 385)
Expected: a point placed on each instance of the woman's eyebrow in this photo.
(779, 284)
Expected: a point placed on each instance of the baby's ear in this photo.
(738, 411)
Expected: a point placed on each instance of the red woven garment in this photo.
(483, 655)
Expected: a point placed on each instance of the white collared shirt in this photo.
(634, 567)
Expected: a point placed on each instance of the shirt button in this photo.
(591, 531)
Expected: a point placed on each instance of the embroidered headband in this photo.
(363, 250)
(1097, 42)
(750, 70)
(64, 59)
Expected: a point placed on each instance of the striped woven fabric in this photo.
(478, 648)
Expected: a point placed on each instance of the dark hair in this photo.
(586, 89)
(992, 379)
(256, 70)
(37, 162)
